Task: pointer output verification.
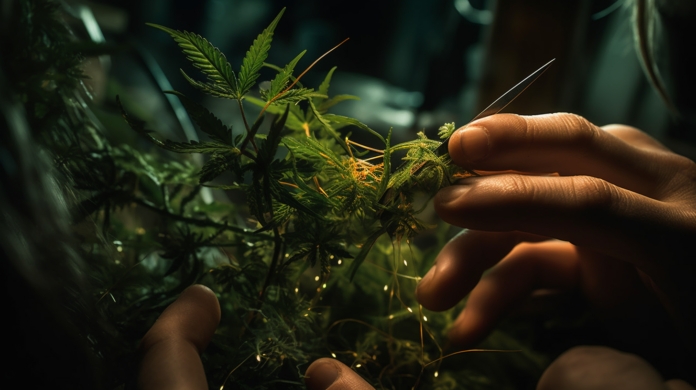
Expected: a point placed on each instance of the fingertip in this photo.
(321, 374)
(330, 374)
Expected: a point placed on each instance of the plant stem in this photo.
(199, 222)
(274, 263)
(248, 129)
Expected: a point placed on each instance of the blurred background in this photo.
(414, 64)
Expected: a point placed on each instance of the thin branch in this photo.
(246, 125)
(199, 222)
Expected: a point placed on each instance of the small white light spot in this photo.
(258, 358)
(358, 365)
(405, 263)
(436, 374)
(316, 278)
(340, 261)
(324, 285)
(297, 290)
(409, 309)
(119, 248)
(386, 287)
(425, 318)
(333, 354)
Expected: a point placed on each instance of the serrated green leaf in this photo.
(206, 57)
(268, 148)
(284, 196)
(384, 180)
(210, 88)
(328, 127)
(293, 122)
(324, 86)
(137, 125)
(279, 69)
(296, 95)
(206, 121)
(364, 251)
(335, 100)
(446, 130)
(257, 54)
(218, 163)
(344, 120)
(199, 147)
(281, 80)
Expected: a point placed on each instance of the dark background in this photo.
(415, 64)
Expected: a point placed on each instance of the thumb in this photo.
(170, 350)
(330, 374)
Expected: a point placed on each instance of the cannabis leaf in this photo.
(296, 95)
(206, 121)
(446, 130)
(324, 86)
(208, 59)
(346, 121)
(199, 147)
(255, 57)
(281, 80)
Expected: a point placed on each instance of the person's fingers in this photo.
(600, 368)
(635, 137)
(563, 143)
(170, 350)
(528, 267)
(330, 374)
(460, 264)
(678, 384)
(583, 210)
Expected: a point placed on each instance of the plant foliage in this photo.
(319, 211)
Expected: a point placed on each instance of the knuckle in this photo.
(594, 193)
(515, 184)
(581, 131)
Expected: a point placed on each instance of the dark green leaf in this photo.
(364, 251)
(335, 100)
(206, 121)
(199, 147)
(256, 56)
(296, 95)
(281, 80)
(328, 127)
(344, 120)
(205, 57)
(324, 86)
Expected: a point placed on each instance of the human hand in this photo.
(170, 350)
(623, 205)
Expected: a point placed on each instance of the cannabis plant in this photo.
(318, 260)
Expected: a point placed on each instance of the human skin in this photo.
(615, 223)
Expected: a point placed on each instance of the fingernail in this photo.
(474, 142)
(322, 376)
(426, 279)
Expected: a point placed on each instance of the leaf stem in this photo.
(248, 129)
(198, 222)
(274, 263)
